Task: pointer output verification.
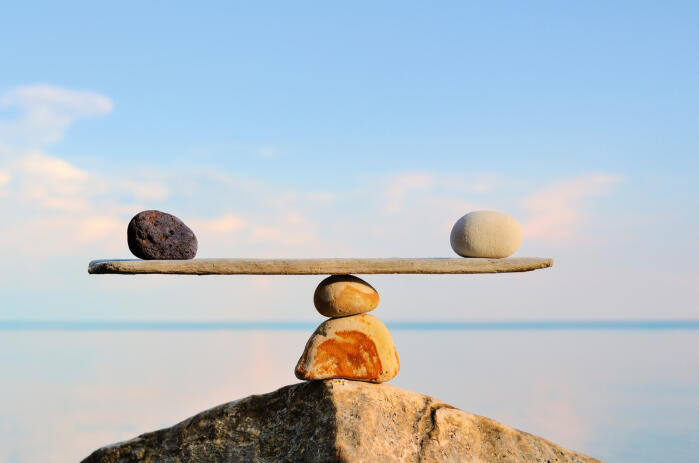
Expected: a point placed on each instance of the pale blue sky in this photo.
(311, 129)
(538, 88)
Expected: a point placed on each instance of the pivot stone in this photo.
(343, 295)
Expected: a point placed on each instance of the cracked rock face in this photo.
(337, 421)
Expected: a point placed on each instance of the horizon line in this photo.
(415, 325)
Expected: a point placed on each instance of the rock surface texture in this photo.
(487, 234)
(158, 235)
(342, 295)
(337, 421)
(356, 347)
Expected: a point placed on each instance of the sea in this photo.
(620, 391)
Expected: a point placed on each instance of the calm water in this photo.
(622, 393)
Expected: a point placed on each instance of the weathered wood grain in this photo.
(319, 266)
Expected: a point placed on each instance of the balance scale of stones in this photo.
(357, 346)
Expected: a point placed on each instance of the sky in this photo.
(302, 129)
(310, 130)
(305, 131)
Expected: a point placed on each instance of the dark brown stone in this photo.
(158, 235)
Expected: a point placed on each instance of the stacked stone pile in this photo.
(351, 344)
(337, 415)
(355, 345)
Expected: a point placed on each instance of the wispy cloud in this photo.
(225, 224)
(5, 178)
(399, 186)
(46, 112)
(142, 190)
(400, 213)
(267, 152)
(49, 183)
(48, 168)
(557, 211)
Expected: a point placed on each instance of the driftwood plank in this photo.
(319, 266)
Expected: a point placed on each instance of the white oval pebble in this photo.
(486, 234)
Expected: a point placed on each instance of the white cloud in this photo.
(97, 228)
(142, 191)
(401, 185)
(84, 210)
(321, 197)
(51, 169)
(52, 206)
(272, 221)
(556, 212)
(485, 183)
(5, 178)
(47, 111)
(64, 234)
(468, 185)
(267, 152)
(225, 224)
(50, 183)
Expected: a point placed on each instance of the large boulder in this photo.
(337, 421)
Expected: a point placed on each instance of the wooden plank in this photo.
(319, 266)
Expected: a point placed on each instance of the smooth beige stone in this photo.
(337, 421)
(318, 266)
(486, 234)
(356, 347)
(343, 295)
